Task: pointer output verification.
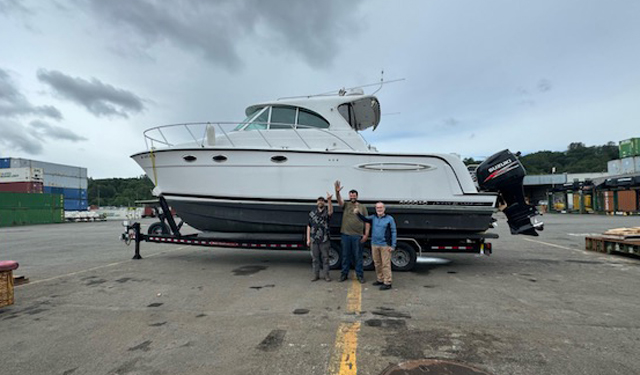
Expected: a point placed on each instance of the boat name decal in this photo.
(420, 202)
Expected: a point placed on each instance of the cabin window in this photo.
(259, 122)
(347, 112)
(282, 118)
(308, 119)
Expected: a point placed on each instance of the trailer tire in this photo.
(367, 258)
(158, 228)
(335, 255)
(403, 258)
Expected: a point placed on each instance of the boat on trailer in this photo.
(264, 174)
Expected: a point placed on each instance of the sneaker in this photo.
(385, 287)
(327, 278)
(315, 278)
(343, 277)
(361, 279)
(377, 283)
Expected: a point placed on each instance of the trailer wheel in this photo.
(403, 258)
(367, 259)
(158, 228)
(335, 255)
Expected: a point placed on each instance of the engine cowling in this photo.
(503, 173)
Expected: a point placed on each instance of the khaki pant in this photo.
(382, 261)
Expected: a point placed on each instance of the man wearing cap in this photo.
(354, 233)
(318, 239)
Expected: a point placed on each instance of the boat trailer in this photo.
(408, 250)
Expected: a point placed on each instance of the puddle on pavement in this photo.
(432, 367)
(273, 340)
(248, 270)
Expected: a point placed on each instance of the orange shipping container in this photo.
(628, 200)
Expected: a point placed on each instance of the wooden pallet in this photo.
(612, 245)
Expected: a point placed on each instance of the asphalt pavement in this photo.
(537, 305)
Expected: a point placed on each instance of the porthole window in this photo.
(219, 158)
(189, 158)
(278, 159)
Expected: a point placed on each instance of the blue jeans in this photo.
(352, 250)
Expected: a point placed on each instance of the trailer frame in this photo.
(408, 250)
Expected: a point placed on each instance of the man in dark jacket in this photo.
(383, 242)
(318, 237)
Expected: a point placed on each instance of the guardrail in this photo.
(198, 133)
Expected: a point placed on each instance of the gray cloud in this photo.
(42, 130)
(13, 103)
(9, 7)
(308, 28)
(14, 136)
(544, 85)
(97, 97)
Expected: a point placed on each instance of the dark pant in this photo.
(320, 253)
(351, 251)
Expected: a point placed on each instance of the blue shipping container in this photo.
(67, 193)
(75, 204)
(5, 163)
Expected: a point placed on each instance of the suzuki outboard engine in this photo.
(504, 173)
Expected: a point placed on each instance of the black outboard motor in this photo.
(504, 173)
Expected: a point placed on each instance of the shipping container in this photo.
(5, 163)
(629, 147)
(21, 175)
(628, 200)
(609, 201)
(25, 209)
(65, 181)
(67, 193)
(627, 166)
(76, 204)
(22, 187)
(50, 168)
(614, 167)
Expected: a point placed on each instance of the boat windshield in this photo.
(282, 117)
(259, 114)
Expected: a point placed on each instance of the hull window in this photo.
(219, 158)
(189, 158)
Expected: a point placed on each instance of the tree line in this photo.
(578, 158)
(121, 192)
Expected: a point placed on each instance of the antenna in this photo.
(381, 82)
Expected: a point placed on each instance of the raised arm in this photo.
(329, 204)
(338, 187)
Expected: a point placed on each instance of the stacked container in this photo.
(629, 148)
(25, 209)
(68, 181)
(21, 180)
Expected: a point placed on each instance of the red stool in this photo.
(6, 281)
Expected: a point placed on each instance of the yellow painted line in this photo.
(95, 268)
(344, 358)
(354, 297)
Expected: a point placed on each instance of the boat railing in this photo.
(198, 134)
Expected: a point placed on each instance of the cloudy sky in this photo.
(81, 79)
